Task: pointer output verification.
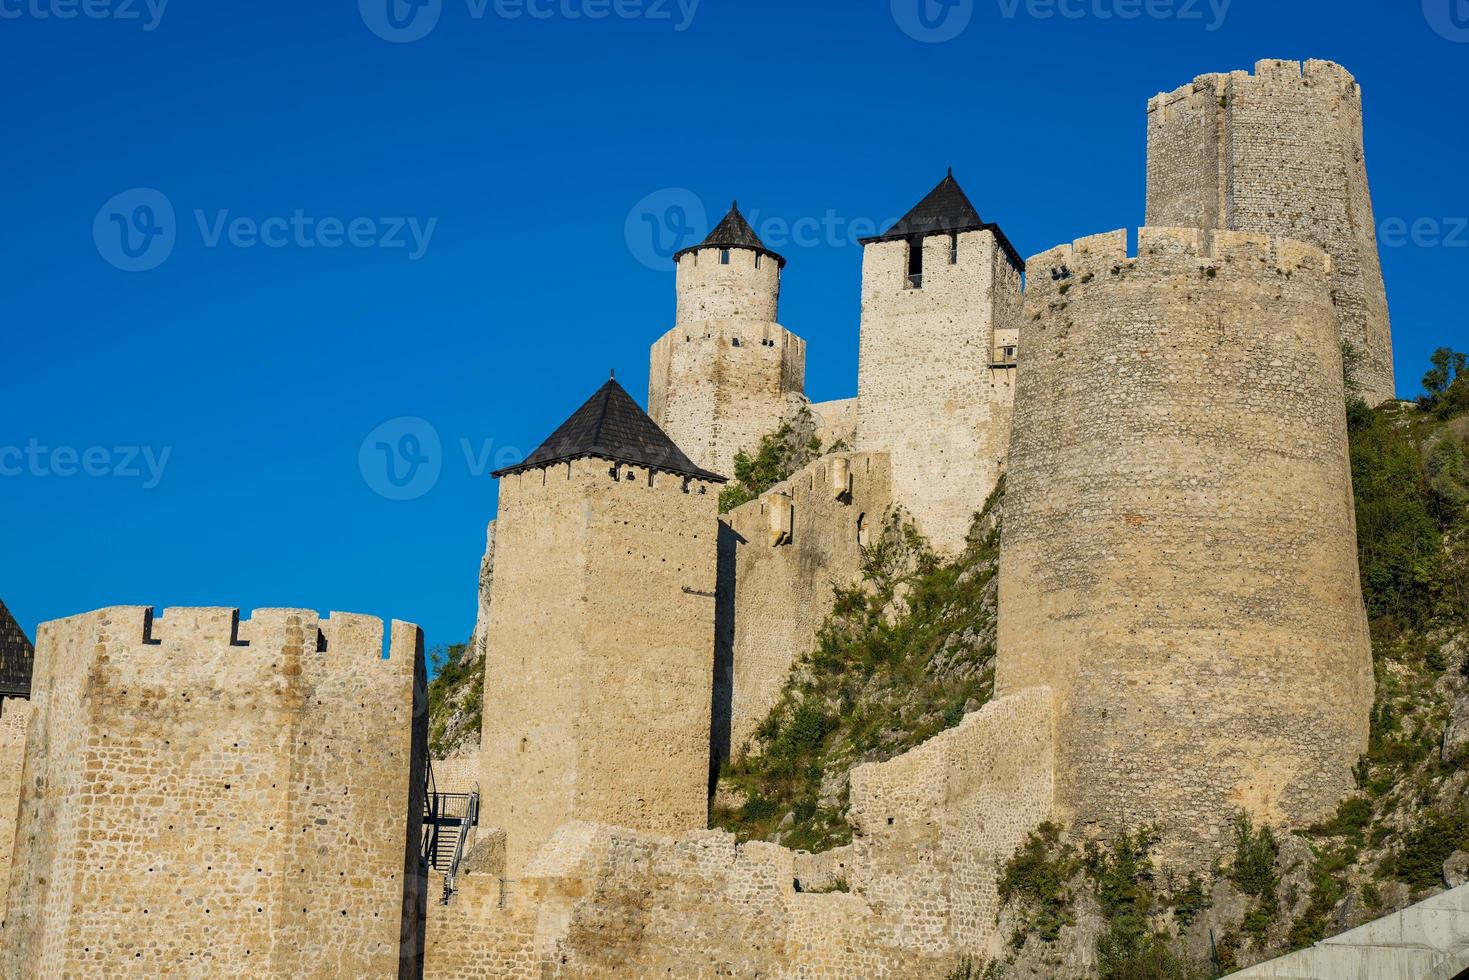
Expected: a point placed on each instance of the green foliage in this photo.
(1420, 858)
(1036, 880)
(1447, 383)
(1328, 885)
(1190, 901)
(1132, 947)
(1353, 815)
(896, 662)
(778, 455)
(454, 697)
(1253, 873)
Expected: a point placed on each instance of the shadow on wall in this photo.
(721, 712)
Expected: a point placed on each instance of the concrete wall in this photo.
(926, 392)
(207, 797)
(600, 652)
(15, 716)
(1178, 557)
(783, 583)
(1279, 152)
(603, 902)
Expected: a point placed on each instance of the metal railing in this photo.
(463, 841)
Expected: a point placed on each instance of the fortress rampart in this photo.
(1280, 152)
(15, 716)
(1178, 559)
(780, 557)
(209, 797)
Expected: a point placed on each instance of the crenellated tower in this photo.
(940, 332)
(728, 372)
(1280, 152)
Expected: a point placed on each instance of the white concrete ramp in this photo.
(1427, 941)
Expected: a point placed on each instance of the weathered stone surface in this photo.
(1178, 557)
(15, 715)
(1456, 869)
(209, 797)
(1456, 731)
(1280, 152)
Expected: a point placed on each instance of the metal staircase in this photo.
(449, 822)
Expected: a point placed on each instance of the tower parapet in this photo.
(1178, 556)
(728, 372)
(1280, 152)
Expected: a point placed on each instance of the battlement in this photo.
(832, 477)
(1268, 74)
(733, 332)
(1230, 254)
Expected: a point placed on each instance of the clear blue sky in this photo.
(523, 144)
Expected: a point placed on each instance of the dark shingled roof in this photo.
(17, 657)
(945, 211)
(614, 427)
(733, 232)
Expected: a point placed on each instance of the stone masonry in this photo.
(779, 560)
(15, 716)
(1280, 152)
(933, 827)
(926, 391)
(208, 797)
(1178, 558)
(600, 651)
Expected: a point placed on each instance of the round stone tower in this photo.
(1179, 554)
(727, 373)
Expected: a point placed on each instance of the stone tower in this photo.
(1280, 152)
(940, 327)
(1179, 551)
(599, 659)
(727, 373)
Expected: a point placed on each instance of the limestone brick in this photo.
(1280, 152)
(600, 652)
(927, 393)
(777, 590)
(15, 716)
(1178, 560)
(209, 797)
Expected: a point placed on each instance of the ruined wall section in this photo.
(926, 391)
(933, 827)
(205, 796)
(15, 716)
(600, 652)
(789, 549)
(1280, 152)
(1178, 557)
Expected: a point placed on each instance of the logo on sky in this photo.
(401, 21)
(1450, 18)
(663, 223)
(933, 21)
(401, 459)
(136, 230)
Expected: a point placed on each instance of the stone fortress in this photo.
(1181, 637)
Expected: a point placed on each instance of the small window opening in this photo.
(953, 250)
(915, 263)
(758, 257)
(724, 256)
(735, 341)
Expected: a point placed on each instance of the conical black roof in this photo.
(946, 210)
(733, 232)
(612, 426)
(17, 657)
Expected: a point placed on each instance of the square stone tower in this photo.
(599, 659)
(940, 331)
(727, 373)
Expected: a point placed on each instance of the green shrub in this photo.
(1035, 879)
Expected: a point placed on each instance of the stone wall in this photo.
(782, 581)
(747, 288)
(926, 391)
(932, 829)
(15, 716)
(459, 773)
(208, 797)
(1178, 558)
(1279, 152)
(836, 422)
(600, 652)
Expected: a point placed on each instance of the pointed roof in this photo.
(17, 657)
(946, 210)
(614, 427)
(733, 232)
